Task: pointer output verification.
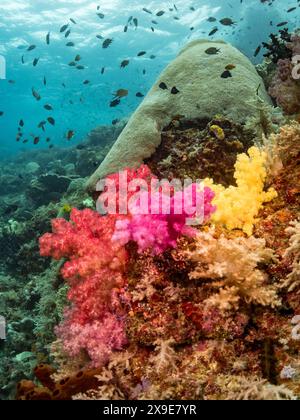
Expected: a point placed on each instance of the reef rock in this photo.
(191, 87)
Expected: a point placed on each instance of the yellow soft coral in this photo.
(238, 206)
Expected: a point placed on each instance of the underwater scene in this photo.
(150, 200)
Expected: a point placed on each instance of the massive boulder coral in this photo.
(203, 93)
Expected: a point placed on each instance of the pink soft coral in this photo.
(160, 231)
(94, 270)
(285, 89)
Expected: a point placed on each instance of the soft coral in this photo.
(95, 268)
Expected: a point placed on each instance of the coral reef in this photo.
(283, 87)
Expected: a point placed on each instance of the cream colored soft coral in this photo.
(230, 266)
(286, 144)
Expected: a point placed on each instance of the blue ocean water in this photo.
(80, 107)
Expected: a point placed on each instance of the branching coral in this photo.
(292, 281)
(238, 206)
(231, 266)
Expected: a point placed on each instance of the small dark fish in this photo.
(86, 82)
(48, 38)
(130, 19)
(72, 64)
(25, 141)
(51, 120)
(101, 15)
(141, 53)
(174, 90)
(152, 29)
(152, 57)
(102, 70)
(213, 31)
(211, 19)
(147, 10)
(67, 33)
(107, 43)
(160, 13)
(70, 134)
(116, 121)
(144, 71)
(226, 74)
(139, 95)
(163, 86)
(192, 8)
(124, 64)
(31, 47)
(36, 140)
(70, 44)
(212, 51)
(227, 22)
(176, 18)
(279, 25)
(125, 28)
(35, 62)
(136, 23)
(48, 140)
(175, 7)
(80, 67)
(114, 103)
(1, 113)
(11, 82)
(48, 107)
(73, 21)
(22, 59)
(291, 9)
(41, 125)
(77, 58)
(99, 37)
(45, 81)
(63, 28)
(154, 22)
(21, 123)
(257, 51)
(36, 95)
(51, 146)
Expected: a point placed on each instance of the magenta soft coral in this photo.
(94, 270)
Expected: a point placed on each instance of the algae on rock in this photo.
(203, 93)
